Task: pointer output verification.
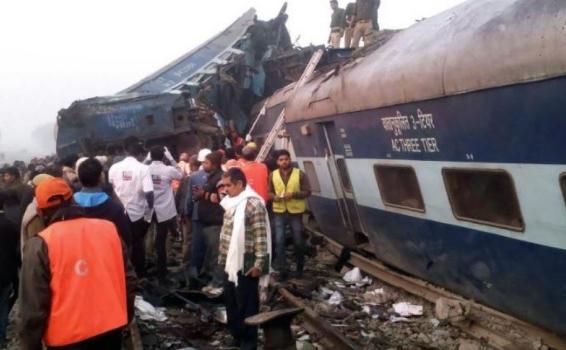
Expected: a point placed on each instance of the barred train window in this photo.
(311, 175)
(484, 196)
(399, 187)
(344, 176)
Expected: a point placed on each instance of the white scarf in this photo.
(236, 206)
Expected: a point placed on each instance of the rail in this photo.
(330, 338)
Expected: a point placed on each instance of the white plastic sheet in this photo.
(336, 299)
(146, 311)
(353, 276)
(376, 297)
(404, 309)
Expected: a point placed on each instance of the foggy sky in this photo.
(58, 51)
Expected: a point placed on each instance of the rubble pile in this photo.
(174, 318)
(373, 314)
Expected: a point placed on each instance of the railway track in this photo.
(498, 330)
(314, 323)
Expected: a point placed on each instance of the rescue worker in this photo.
(244, 255)
(132, 184)
(337, 25)
(366, 13)
(288, 189)
(165, 212)
(76, 284)
(349, 25)
(98, 204)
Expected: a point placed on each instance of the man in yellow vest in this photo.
(288, 188)
(77, 286)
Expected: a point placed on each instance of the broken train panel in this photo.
(93, 125)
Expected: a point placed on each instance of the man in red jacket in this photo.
(256, 173)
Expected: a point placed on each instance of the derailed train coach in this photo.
(99, 123)
(445, 149)
(191, 102)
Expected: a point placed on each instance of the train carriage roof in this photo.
(477, 45)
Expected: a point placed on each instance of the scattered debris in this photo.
(373, 311)
(366, 315)
(146, 311)
(335, 299)
(376, 297)
(404, 309)
(450, 310)
(303, 345)
(220, 315)
(468, 345)
(435, 323)
(396, 319)
(353, 276)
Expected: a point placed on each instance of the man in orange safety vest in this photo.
(76, 282)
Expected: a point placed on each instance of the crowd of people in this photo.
(357, 22)
(74, 235)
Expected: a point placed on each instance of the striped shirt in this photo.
(256, 234)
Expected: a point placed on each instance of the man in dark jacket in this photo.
(9, 262)
(15, 191)
(77, 283)
(96, 203)
(211, 215)
(197, 180)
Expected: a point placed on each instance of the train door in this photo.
(338, 168)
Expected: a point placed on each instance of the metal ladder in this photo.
(278, 126)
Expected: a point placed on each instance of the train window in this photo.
(149, 119)
(311, 174)
(484, 196)
(399, 187)
(343, 173)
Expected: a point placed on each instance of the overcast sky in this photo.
(53, 52)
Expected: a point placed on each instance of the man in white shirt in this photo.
(133, 186)
(165, 210)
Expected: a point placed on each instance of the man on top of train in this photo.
(289, 188)
(337, 24)
(366, 21)
(350, 14)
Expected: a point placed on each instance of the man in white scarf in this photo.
(245, 253)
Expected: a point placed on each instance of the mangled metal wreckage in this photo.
(190, 102)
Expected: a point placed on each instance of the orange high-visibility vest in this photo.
(88, 282)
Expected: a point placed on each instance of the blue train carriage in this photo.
(446, 149)
(166, 118)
